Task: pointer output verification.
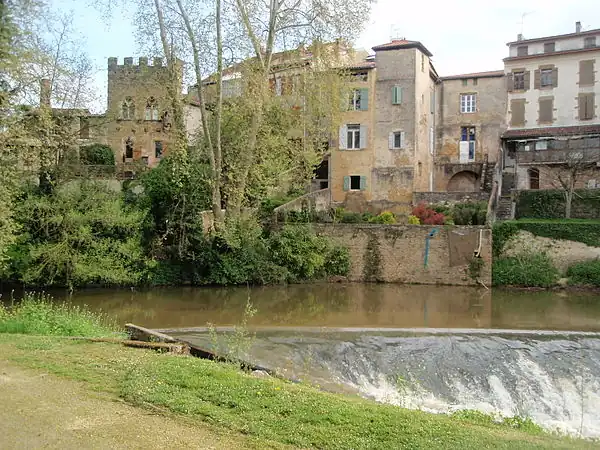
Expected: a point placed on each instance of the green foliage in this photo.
(414, 220)
(337, 261)
(585, 273)
(351, 217)
(97, 154)
(578, 230)
(476, 265)
(469, 213)
(372, 260)
(550, 204)
(39, 314)
(81, 234)
(502, 232)
(385, 217)
(534, 270)
(480, 418)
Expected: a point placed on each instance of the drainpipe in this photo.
(430, 236)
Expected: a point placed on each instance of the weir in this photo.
(551, 376)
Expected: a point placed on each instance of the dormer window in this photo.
(589, 42)
(549, 47)
(128, 109)
(151, 109)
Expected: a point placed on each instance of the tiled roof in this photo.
(552, 131)
(402, 43)
(363, 65)
(489, 74)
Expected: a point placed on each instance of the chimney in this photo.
(577, 27)
(45, 92)
(519, 37)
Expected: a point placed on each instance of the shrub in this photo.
(470, 213)
(534, 270)
(414, 220)
(337, 261)
(39, 314)
(386, 217)
(550, 204)
(501, 233)
(428, 216)
(97, 154)
(350, 217)
(585, 273)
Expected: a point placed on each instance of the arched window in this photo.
(129, 148)
(151, 109)
(534, 178)
(128, 112)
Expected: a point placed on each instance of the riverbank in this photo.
(252, 412)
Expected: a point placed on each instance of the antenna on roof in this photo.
(522, 22)
(395, 32)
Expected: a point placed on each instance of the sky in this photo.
(464, 35)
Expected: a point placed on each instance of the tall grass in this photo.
(39, 314)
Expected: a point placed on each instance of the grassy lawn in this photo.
(271, 412)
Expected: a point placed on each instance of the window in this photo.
(534, 178)
(468, 103)
(541, 145)
(549, 47)
(475, 81)
(360, 76)
(517, 117)
(151, 109)
(519, 81)
(422, 62)
(145, 160)
(396, 140)
(353, 142)
(84, 128)
(359, 100)
(465, 82)
(467, 144)
(396, 95)
(522, 50)
(546, 79)
(355, 183)
(129, 148)
(158, 149)
(586, 73)
(586, 106)
(128, 109)
(589, 42)
(546, 110)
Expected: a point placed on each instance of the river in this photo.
(435, 348)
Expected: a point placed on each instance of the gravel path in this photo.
(41, 411)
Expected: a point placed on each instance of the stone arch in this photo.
(534, 178)
(151, 109)
(463, 181)
(128, 109)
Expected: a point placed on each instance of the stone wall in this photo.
(437, 197)
(313, 201)
(396, 253)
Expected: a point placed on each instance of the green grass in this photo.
(38, 314)
(536, 270)
(585, 273)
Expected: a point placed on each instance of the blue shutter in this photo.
(363, 183)
(346, 183)
(397, 95)
(363, 137)
(364, 99)
(343, 138)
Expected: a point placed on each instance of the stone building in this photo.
(553, 119)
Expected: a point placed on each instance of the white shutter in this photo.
(343, 141)
(402, 139)
(391, 141)
(363, 136)
(464, 152)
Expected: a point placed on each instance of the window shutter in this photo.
(510, 85)
(555, 77)
(391, 141)
(527, 79)
(364, 99)
(396, 95)
(346, 183)
(363, 136)
(590, 106)
(402, 141)
(537, 79)
(343, 139)
(363, 183)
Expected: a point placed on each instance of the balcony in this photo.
(555, 156)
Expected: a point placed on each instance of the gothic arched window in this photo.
(128, 112)
(129, 148)
(152, 109)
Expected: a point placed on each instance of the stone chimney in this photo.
(577, 27)
(45, 92)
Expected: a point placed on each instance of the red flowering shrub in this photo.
(428, 216)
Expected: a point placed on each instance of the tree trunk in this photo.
(218, 114)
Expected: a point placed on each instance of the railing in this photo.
(558, 156)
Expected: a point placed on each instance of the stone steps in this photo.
(504, 211)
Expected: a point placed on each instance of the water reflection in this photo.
(349, 305)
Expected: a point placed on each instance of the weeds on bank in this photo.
(39, 314)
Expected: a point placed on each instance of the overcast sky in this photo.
(463, 35)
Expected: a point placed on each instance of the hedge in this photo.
(585, 231)
(550, 204)
(585, 273)
(534, 270)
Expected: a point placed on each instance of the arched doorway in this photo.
(465, 181)
(534, 178)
